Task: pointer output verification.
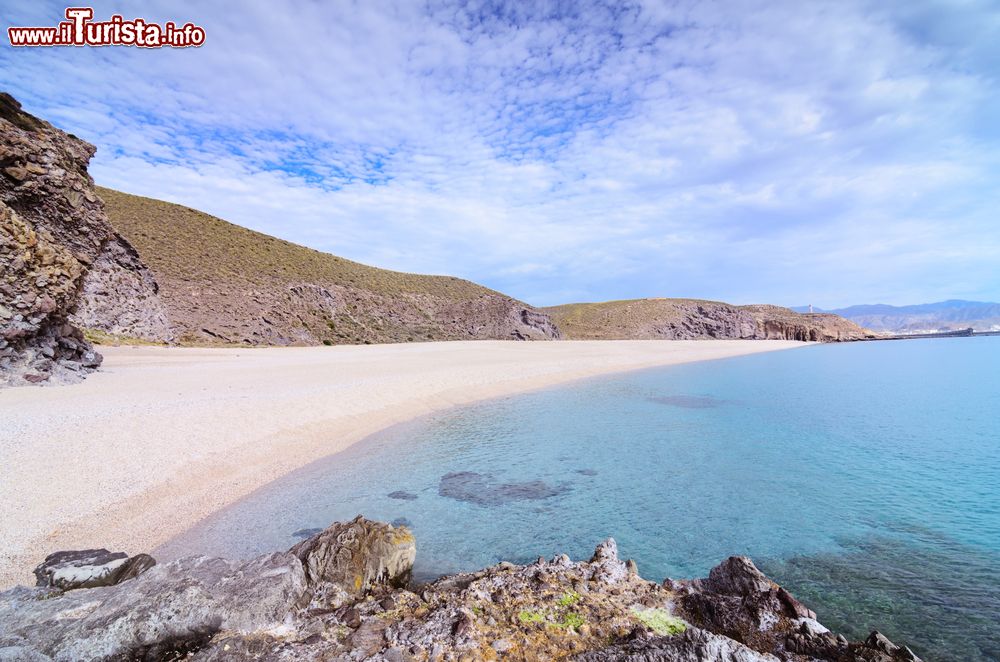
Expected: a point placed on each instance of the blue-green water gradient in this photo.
(864, 476)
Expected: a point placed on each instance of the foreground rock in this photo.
(90, 568)
(339, 596)
(53, 235)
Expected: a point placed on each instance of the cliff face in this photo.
(775, 322)
(222, 283)
(53, 231)
(687, 319)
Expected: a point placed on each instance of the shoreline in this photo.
(162, 437)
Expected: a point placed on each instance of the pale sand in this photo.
(162, 437)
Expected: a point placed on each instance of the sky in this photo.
(788, 152)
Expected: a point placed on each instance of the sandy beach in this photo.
(162, 437)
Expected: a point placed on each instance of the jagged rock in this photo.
(277, 608)
(173, 607)
(90, 568)
(356, 556)
(52, 229)
(738, 601)
(120, 296)
(692, 645)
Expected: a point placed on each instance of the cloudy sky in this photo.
(791, 152)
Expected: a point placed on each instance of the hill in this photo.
(219, 282)
(677, 319)
(925, 317)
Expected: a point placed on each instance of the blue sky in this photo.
(792, 152)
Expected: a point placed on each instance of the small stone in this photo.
(352, 618)
(502, 645)
(462, 625)
(74, 198)
(394, 654)
(16, 172)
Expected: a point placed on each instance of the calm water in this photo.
(865, 477)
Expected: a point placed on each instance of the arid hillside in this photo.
(221, 283)
(681, 319)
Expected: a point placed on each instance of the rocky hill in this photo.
(951, 315)
(54, 240)
(345, 594)
(683, 319)
(221, 283)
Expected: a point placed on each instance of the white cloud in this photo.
(827, 152)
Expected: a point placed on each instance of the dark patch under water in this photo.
(945, 610)
(483, 490)
(306, 533)
(688, 401)
(402, 496)
(587, 472)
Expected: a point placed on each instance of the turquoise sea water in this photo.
(864, 477)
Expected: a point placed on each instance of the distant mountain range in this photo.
(921, 318)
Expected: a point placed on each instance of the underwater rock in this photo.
(484, 491)
(403, 496)
(306, 533)
(689, 401)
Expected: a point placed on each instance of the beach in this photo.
(162, 437)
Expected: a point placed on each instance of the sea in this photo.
(864, 477)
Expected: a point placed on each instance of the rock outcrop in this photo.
(53, 231)
(120, 297)
(777, 323)
(341, 596)
(690, 319)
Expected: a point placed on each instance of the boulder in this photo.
(171, 608)
(349, 559)
(90, 568)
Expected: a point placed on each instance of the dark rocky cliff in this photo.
(54, 236)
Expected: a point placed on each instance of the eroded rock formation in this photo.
(690, 319)
(53, 233)
(341, 596)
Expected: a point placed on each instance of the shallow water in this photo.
(865, 477)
